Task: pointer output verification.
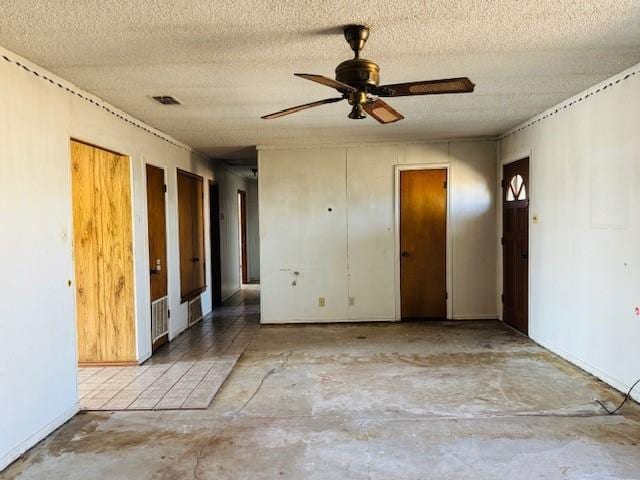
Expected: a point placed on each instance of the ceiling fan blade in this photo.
(288, 111)
(427, 87)
(382, 111)
(329, 82)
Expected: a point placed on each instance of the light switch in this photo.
(321, 301)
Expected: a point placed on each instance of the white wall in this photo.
(350, 250)
(585, 249)
(38, 388)
(253, 231)
(37, 327)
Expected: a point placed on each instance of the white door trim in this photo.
(449, 254)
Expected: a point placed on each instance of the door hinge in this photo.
(502, 298)
(445, 184)
(168, 313)
(446, 295)
(502, 183)
(164, 188)
(501, 240)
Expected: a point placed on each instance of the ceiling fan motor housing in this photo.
(359, 73)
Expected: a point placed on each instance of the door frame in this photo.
(520, 155)
(449, 249)
(146, 245)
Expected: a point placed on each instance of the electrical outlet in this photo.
(321, 301)
(352, 301)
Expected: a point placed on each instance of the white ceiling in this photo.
(229, 62)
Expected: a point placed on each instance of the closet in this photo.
(191, 227)
(103, 255)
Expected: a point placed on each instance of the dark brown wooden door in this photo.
(242, 212)
(191, 235)
(157, 224)
(214, 235)
(515, 244)
(423, 243)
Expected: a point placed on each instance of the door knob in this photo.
(524, 255)
(405, 254)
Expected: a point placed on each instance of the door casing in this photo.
(449, 254)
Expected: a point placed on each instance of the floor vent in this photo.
(159, 318)
(195, 311)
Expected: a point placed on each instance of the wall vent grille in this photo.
(195, 311)
(159, 318)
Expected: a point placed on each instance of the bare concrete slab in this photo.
(451, 400)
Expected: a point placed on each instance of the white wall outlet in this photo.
(321, 301)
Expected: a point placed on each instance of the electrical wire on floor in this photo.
(627, 397)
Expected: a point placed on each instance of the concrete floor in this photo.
(371, 401)
(185, 373)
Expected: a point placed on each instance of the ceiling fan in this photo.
(358, 81)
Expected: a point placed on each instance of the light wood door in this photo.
(423, 243)
(157, 224)
(515, 244)
(103, 257)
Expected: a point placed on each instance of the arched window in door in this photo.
(517, 190)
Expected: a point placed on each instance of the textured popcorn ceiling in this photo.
(229, 62)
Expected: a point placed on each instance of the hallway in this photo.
(184, 373)
(416, 400)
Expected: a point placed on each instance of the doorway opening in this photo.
(214, 235)
(423, 207)
(242, 236)
(515, 245)
(158, 277)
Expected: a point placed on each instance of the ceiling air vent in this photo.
(166, 100)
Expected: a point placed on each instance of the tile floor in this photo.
(183, 374)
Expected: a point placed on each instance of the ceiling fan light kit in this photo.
(358, 79)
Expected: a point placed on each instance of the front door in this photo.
(423, 243)
(156, 218)
(515, 244)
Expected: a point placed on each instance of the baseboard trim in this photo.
(229, 295)
(124, 363)
(481, 316)
(33, 439)
(291, 321)
(590, 369)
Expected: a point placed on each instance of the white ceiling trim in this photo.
(297, 146)
(58, 82)
(562, 106)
